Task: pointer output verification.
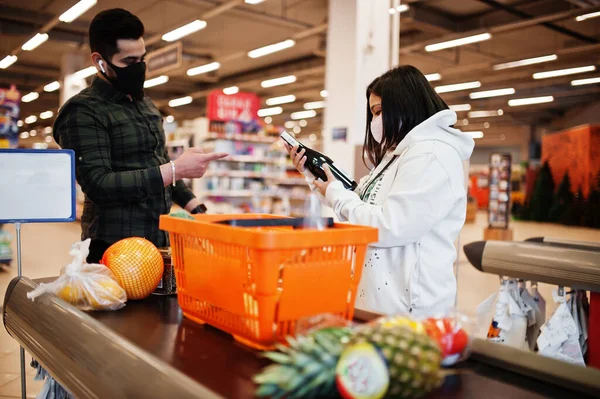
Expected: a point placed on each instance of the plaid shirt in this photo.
(119, 146)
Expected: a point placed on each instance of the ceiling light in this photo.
(563, 72)
(33, 133)
(433, 77)
(281, 100)
(589, 81)
(303, 114)
(476, 135)
(312, 137)
(170, 119)
(34, 42)
(86, 72)
(27, 98)
(78, 9)
(213, 66)
(8, 61)
(526, 61)
(460, 107)
(271, 48)
(270, 111)
(303, 123)
(457, 87)
(289, 124)
(465, 122)
(31, 119)
(254, 1)
(324, 93)
(50, 87)
(47, 130)
(315, 105)
(588, 16)
(156, 81)
(180, 101)
(297, 129)
(531, 100)
(486, 125)
(231, 90)
(46, 115)
(184, 30)
(278, 81)
(24, 135)
(268, 120)
(492, 93)
(19, 123)
(458, 42)
(485, 114)
(400, 9)
(48, 139)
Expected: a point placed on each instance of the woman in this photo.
(415, 196)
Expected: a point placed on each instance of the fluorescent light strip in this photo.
(8, 61)
(524, 62)
(315, 105)
(270, 111)
(433, 77)
(475, 134)
(254, 1)
(458, 87)
(46, 115)
(156, 81)
(50, 87)
(278, 81)
(272, 48)
(492, 93)
(184, 30)
(485, 114)
(400, 9)
(588, 81)
(77, 10)
(563, 72)
(529, 101)
(31, 119)
(178, 102)
(86, 72)
(35, 42)
(231, 90)
(303, 114)
(324, 93)
(460, 107)
(281, 100)
(27, 98)
(213, 66)
(588, 16)
(458, 42)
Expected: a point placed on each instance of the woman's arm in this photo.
(419, 198)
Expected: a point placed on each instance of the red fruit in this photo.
(452, 340)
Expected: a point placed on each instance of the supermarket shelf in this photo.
(243, 173)
(237, 193)
(249, 138)
(250, 159)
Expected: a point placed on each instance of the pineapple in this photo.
(413, 358)
(304, 369)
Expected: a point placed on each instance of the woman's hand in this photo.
(298, 158)
(322, 185)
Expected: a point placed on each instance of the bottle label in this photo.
(362, 373)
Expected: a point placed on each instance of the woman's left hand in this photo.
(322, 185)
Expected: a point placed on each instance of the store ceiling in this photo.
(520, 29)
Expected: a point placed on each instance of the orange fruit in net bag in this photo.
(137, 265)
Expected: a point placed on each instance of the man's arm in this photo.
(80, 129)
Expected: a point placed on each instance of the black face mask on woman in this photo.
(130, 79)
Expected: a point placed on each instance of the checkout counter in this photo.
(148, 350)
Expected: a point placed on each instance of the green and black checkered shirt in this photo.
(119, 145)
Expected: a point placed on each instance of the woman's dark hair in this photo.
(407, 98)
(111, 25)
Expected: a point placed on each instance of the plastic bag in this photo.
(87, 286)
(312, 213)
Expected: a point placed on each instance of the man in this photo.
(121, 160)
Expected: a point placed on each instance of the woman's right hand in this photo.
(298, 158)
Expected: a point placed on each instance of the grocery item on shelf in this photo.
(137, 264)
(86, 286)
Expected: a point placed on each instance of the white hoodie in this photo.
(419, 206)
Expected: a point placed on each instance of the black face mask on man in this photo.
(130, 79)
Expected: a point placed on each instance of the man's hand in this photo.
(322, 185)
(193, 163)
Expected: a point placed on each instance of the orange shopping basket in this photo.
(257, 283)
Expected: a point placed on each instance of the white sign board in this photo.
(37, 186)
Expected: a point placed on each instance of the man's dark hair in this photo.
(111, 25)
(407, 98)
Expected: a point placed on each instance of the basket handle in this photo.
(276, 222)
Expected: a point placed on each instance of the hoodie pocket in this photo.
(413, 281)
